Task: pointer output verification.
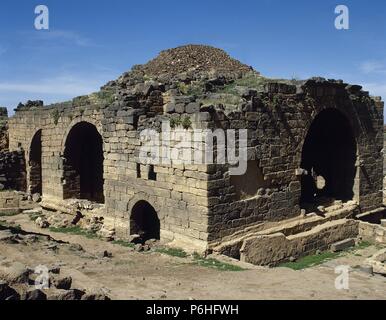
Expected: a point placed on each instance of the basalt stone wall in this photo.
(3, 128)
(12, 170)
(203, 203)
(176, 192)
(278, 121)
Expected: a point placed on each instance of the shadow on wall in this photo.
(248, 184)
(144, 221)
(83, 167)
(329, 156)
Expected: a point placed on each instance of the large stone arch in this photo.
(82, 150)
(34, 163)
(144, 217)
(95, 123)
(329, 155)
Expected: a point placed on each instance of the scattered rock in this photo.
(36, 211)
(15, 273)
(138, 247)
(321, 209)
(106, 254)
(367, 269)
(151, 241)
(76, 247)
(54, 269)
(30, 238)
(73, 294)
(42, 223)
(36, 197)
(108, 233)
(95, 296)
(378, 262)
(135, 238)
(341, 245)
(77, 218)
(52, 246)
(62, 283)
(34, 295)
(7, 236)
(8, 293)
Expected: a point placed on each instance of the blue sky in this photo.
(93, 41)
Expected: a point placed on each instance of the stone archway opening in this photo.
(144, 221)
(35, 164)
(328, 158)
(83, 163)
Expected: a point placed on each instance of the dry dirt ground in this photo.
(152, 275)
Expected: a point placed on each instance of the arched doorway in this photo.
(83, 163)
(329, 156)
(35, 164)
(144, 221)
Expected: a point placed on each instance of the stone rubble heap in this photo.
(193, 59)
(17, 280)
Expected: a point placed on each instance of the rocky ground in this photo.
(85, 267)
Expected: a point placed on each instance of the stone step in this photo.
(342, 245)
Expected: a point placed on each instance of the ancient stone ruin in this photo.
(314, 160)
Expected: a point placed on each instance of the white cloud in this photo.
(61, 35)
(373, 67)
(63, 85)
(51, 89)
(376, 89)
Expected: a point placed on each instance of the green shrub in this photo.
(174, 252)
(55, 116)
(186, 123)
(213, 263)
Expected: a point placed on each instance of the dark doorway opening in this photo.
(35, 164)
(144, 221)
(328, 156)
(83, 166)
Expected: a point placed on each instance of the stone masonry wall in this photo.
(178, 193)
(12, 170)
(199, 203)
(278, 121)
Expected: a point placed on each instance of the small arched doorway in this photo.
(329, 157)
(144, 221)
(83, 163)
(35, 164)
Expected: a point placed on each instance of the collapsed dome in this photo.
(192, 58)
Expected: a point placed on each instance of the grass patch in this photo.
(8, 214)
(11, 226)
(76, 230)
(215, 264)
(317, 259)
(123, 243)
(362, 245)
(310, 261)
(34, 216)
(174, 252)
(192, 89)
(105, 96)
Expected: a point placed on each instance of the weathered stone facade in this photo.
(201, 204)
(12, 170)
